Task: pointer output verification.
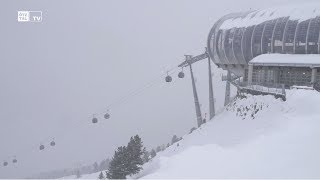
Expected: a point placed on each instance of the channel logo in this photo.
(29, 16)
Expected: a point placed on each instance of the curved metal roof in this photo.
(300, 12)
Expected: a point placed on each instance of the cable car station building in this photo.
(269, 47)
(263, 51)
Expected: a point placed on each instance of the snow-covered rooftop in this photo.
(300, 12)
(297, 60)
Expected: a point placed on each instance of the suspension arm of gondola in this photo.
(192, 60)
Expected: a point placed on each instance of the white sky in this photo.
(85, 54)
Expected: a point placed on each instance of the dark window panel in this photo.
(278, 35)
(228, 46)
(300, 39)
(246, 43)
(237, 45)
(220, 51)
(313, 36)
(256, 40)
(267, 35)
(289, 36)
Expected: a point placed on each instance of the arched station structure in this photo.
(237, 38)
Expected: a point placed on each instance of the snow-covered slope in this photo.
(254, 137)
(85, 176)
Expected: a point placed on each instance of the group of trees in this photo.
(77, 171)
(154, 152)
(127, 160)
(94, 168)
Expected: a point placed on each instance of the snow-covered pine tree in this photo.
(135, 153)
(174, 139)
(158, 149)
(104, 164)
(163, 147)
(146, 155)
(95, 167)
(118, 168)
(153, 153)
(192, 129)
(101, 176)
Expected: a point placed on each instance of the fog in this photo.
(83, 57)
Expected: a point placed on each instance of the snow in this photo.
(301, 60)
(254, 137)
(302, 87)
(85, 176)
(300, 12)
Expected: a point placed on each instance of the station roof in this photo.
(290, 60)
(295, 11)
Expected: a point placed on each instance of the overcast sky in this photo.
(85, 55)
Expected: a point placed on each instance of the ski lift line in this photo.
(33, 148)
(123, 100)
(130, 95)
(119, 102)
(134, 94)
(126, 98)
(10, 159)
(137, 91)
(46, 144)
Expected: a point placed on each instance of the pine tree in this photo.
(168, 145)
(174, 139)
(118, 168)
(153, 153)
(101, 176)
(192, 129)
(127, 160)
(104, 164)
(95, 167)
(158, 149)
(146, 155)
(163, 147)
(135, 153)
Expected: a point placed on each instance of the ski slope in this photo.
(254, 137)
(85, 176)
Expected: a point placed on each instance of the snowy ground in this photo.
(254, 137)
(85, 176)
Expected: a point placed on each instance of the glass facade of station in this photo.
(289, 76)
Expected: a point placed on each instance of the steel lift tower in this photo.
(189, 60)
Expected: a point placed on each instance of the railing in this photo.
(266, 87)
(270, 88)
